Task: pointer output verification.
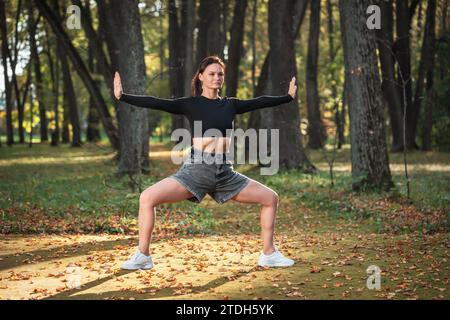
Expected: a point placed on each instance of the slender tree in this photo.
(5, 56)
(316, 128)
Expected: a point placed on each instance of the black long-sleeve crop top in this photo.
(213, 113)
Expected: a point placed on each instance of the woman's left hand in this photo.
(292, 88)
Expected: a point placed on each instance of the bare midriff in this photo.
(212, 144)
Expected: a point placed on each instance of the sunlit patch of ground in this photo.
(316, 227)
(328, 265)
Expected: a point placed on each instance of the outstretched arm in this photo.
(175, 106)
(243, 106)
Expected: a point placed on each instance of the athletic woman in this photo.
(199, 176)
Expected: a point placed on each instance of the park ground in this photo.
(67, 223)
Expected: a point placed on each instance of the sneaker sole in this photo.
(276, 266)
(146, 267)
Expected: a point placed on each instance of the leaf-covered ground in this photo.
(67, 224)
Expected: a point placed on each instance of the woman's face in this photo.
(213, 76)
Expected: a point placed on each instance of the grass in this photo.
(52, 195)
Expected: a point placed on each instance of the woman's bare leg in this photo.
(167, 190)
(256, 192)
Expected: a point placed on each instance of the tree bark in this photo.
(13, 62)
(8, 91)
(54, 75)
(71, 99)
(176, 55)
(37, 76)
(209, 41)
(124, 35)
(256, 117)
(94, 49)
(235, 48)
(332, 54)
(369, 156)
(282, 67)
(425, 66)
(316, 128)
(389, 83)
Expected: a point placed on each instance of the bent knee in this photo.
(148, 197)
(271, 200)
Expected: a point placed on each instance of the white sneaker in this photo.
(275, 259)
(138, 261)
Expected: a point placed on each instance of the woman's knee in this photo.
(148, 197)
(271, 200)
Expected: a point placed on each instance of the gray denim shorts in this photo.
(205, 173)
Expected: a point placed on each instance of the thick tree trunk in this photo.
(125, 36)
(282, 68)
(83, 73)
(5, 55)
(369, 156)
(389, 83)
(316, 128)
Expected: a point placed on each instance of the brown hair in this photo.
(196, 84)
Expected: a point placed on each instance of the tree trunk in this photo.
(403, 54)
(425, 66)
(13, 62)
(209, 41)
(176, 55)
(263, 119)
(71, 99)
(54, 75)
(260, 115)
(37, 75)
(369, 156)
(95, 43)
(93, 126)
(282, 67)
(188, 25)
(316, 128)
(389, 82)
(83, 73)
(5, 55)
(235, 48)
(125, 36)
(332, 54)
(253, 43)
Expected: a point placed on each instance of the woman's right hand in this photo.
(117, 86)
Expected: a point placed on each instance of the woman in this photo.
(196, 177)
